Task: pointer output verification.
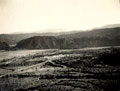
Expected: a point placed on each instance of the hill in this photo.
(94, 38)
(101, 32)
(12, 39)
(40, 42)
(100, 37)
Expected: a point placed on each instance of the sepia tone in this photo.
(59, 45)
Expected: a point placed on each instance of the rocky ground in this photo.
(96, 69)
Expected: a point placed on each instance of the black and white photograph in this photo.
(59, 45)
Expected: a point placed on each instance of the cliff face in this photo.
(4, 46)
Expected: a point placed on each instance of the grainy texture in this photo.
(63, 70)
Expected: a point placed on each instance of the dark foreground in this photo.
(63, 70)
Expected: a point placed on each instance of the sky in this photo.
(20, 16)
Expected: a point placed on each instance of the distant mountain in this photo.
(103, 32)
(105, 36)
(93, 38)
(12, 39)
(111, 26)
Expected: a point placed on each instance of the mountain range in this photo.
(106, 36)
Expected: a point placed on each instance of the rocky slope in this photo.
(40, 42)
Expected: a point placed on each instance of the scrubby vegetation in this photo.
(4, 46)
(111, 58)
(63, 70)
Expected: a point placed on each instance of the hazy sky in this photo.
(42, 15)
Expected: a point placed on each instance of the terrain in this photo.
(41, 42)
(99, 37)
(87, 69)
(12, 39)
(94, 38)
(4, 46)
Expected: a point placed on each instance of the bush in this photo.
(111, 58)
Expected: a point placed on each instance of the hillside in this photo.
(40, 42)
(94, 38)
(109, 33)
(12, 39)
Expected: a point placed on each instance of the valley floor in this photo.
(96, 69)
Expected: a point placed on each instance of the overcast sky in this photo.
(63, 15)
